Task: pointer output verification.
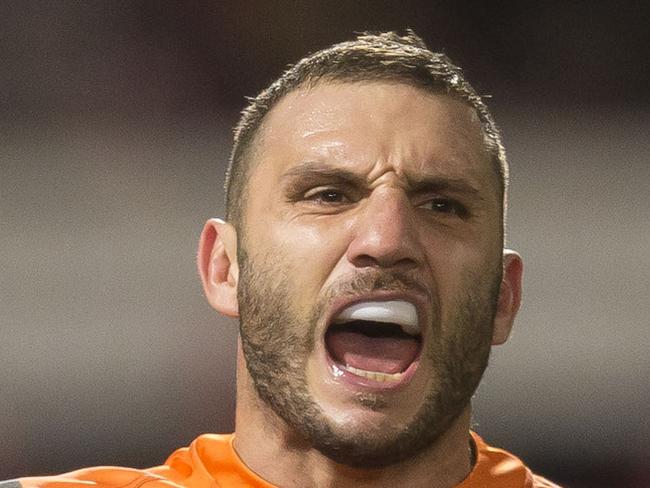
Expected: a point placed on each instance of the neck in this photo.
(442, 465)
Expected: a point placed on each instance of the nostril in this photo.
(368, 261)
(365, 261)
(406, 263)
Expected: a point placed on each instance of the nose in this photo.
(385, 233)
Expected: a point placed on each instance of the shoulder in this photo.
(497, 468)
(186, 466)
(539, 482)
(97, 477)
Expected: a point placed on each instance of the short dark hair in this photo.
(385, 56)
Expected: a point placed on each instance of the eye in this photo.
(446, 206)
(326, 195)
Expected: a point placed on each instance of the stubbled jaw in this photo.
(378, 341)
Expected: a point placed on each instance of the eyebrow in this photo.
(443, 183)
(317, 171)
(311, 170)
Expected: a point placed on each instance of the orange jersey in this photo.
(211, 461)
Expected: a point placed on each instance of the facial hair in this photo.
(278, 339)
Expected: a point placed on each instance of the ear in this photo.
(509, 296)
(217, 262)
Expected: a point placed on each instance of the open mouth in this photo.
(377, 341)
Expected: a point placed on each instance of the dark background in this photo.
(115, 125)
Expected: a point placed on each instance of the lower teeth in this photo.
(374, 375)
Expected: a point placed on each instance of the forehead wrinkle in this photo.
(382, 174)
(423, 182)
(415, 164)
(325, 138)
(417, 154)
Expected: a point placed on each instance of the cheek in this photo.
(309, 253)
(457, 264)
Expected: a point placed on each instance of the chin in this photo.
(373, 434)
(363, 446)
(366, 413)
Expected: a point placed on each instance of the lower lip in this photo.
(344, 376)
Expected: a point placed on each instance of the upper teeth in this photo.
(394, 311)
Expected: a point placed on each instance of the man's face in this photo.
(370, 263)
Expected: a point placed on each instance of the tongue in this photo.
(378, 354)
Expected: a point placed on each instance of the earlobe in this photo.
(217, 264)
(509, 296)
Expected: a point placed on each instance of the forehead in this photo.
(360, 125)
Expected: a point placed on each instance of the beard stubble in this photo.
(277, 341)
